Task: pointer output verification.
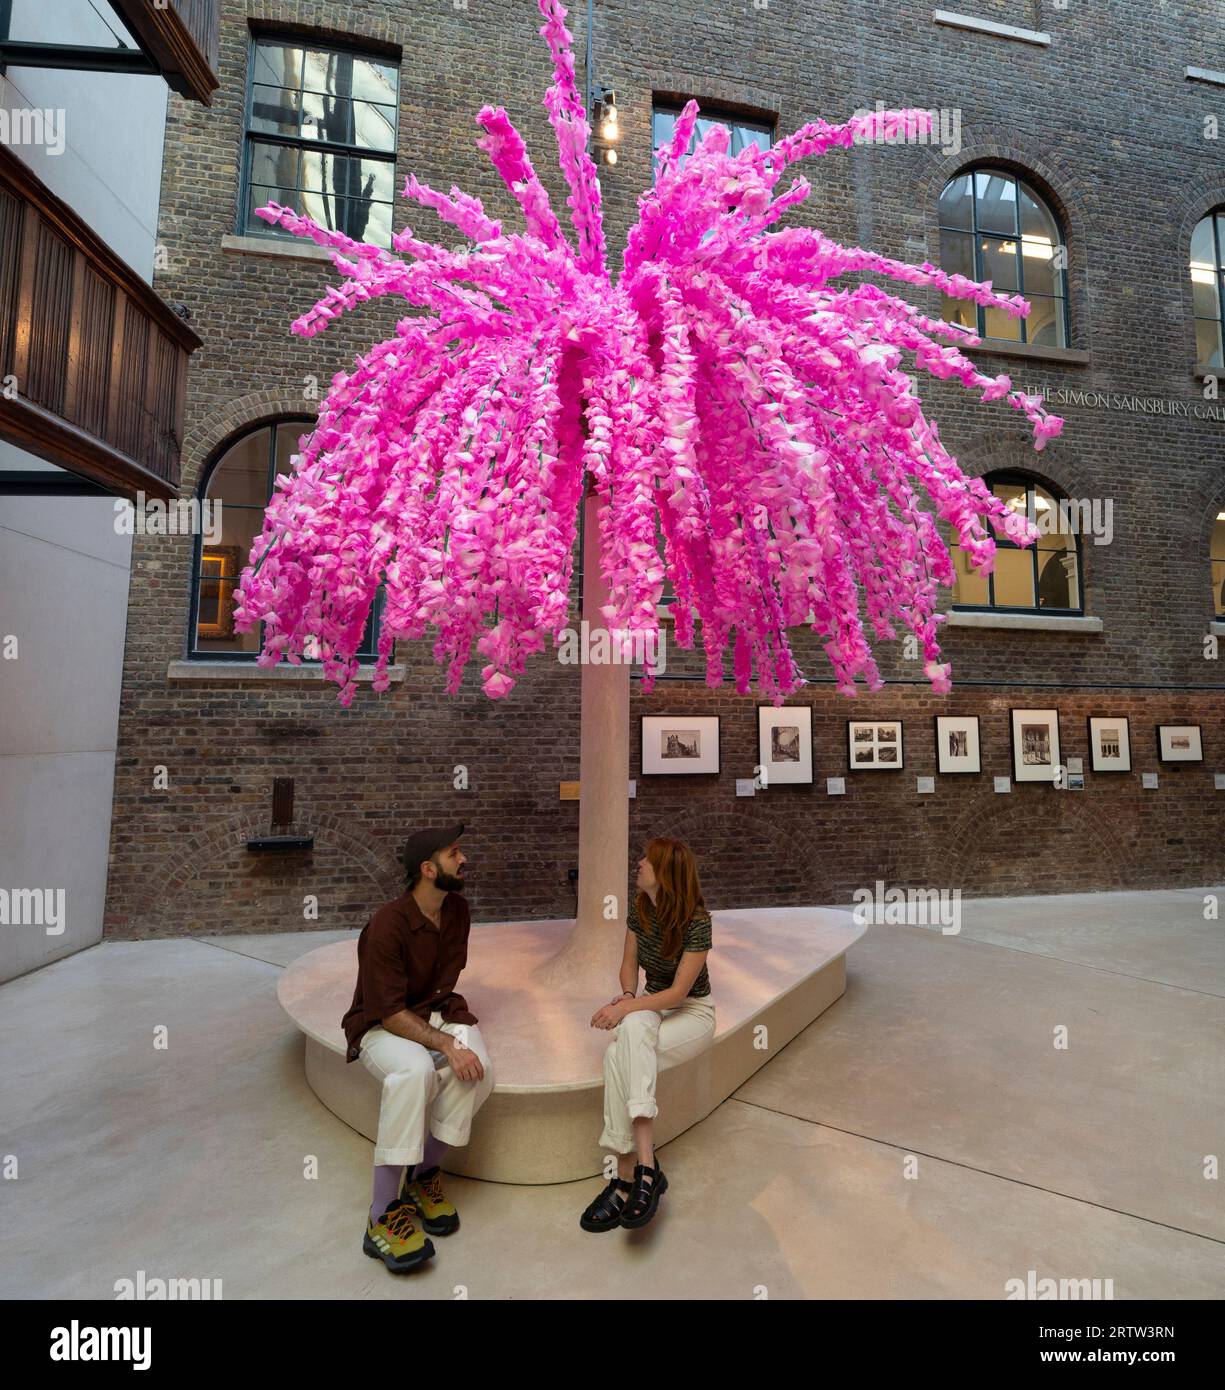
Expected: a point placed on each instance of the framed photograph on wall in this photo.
(673, 744)
(1179, 743)
(784, 744)
(1109, 743)
(874, 745)
(1035, 744)
(957, 746)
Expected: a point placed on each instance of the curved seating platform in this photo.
(773, 970)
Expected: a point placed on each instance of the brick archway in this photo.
(218, 856)
(1010, 823)
(319, 19)
(991, 450)
(240, 417)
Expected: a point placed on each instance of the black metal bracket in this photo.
(282, 836)
(37, 482)
(274, 843)
(20, 54)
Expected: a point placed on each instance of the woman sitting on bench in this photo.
(668, 933)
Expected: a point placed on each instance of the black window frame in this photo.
(367, 654)
(1215, 216)
(251, 138)
(1030, 483)
(976, 235)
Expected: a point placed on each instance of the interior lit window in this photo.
(1040, 578)
(242, 481)
(1208, 288)
(994, 226)
(1218, 564)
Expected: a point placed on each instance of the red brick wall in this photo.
(1130, 175)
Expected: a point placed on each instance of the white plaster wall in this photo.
(63, 596)
(63, 569)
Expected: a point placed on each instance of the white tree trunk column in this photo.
(592, 954)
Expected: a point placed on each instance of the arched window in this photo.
(1218, 564)
(1208, 287)
(1043, 577)
(994, 226)
(242, 482)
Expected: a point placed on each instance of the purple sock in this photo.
(386, 1187)
(432, 1154)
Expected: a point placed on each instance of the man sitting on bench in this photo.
(417, 1036)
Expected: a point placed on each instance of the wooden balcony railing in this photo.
(182, 38)
(93, 364)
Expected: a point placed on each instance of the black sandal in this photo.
(649, 1186)
(604, 1214)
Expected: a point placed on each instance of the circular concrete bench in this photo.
(773, 970)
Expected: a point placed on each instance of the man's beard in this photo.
(448, 883)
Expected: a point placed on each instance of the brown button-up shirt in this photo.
(405, 962)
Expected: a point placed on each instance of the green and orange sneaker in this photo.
(395, 1239)
(424, 1193)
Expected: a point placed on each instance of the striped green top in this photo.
(660, 971)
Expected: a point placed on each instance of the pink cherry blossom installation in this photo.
(721, 387)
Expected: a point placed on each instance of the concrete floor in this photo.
(924, 1138)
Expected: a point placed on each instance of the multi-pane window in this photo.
(1043, 577)
(242, 481)
(1218, 565)
(1208, 287)
(743, 132)
(320, 138)
(993, 226)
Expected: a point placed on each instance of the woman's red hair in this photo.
(679, 897)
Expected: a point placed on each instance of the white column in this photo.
(592, 954)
